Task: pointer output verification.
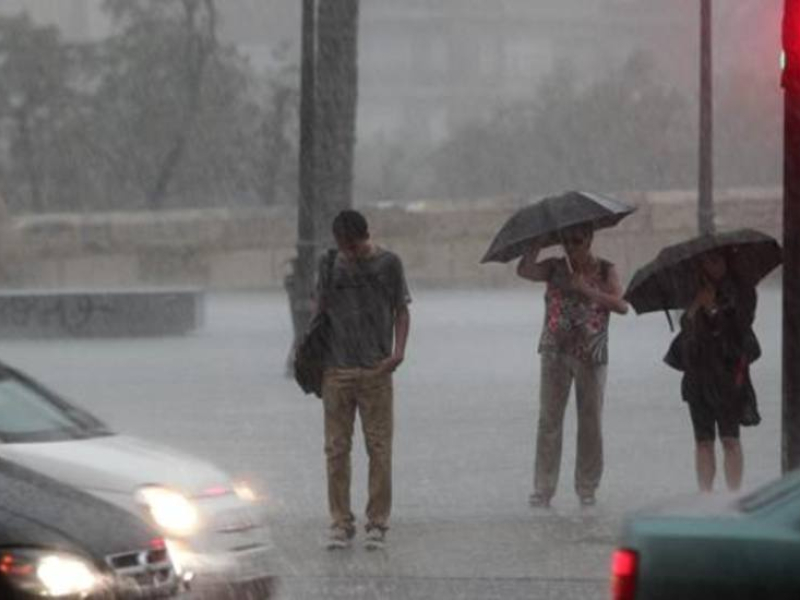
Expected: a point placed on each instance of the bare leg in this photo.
(733, 462)
(705, 464)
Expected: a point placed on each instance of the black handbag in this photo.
(675, 355)
(309, 356)
(750, 416)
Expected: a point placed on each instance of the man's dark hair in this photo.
(350, 226)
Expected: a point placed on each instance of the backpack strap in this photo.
(330, 260)
(326, 273)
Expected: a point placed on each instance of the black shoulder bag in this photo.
(309, 357)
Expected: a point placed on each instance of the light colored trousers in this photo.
(368, 392)
(558, 373)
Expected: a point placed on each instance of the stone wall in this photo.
(441, 242)
(117, 313)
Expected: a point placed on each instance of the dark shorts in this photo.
(706, 421)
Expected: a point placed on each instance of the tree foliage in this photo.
(159, 113)
(37, 103)
(624, 131)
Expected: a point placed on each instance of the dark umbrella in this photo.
(545, 219)
(670, 280)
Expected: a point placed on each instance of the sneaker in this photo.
(339, 538)
(376, 539)
(588, 500)
(537, 500)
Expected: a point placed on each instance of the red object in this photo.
(790, 78)
(215, 491)
(158, 544)
(624, 568)
(10, 566)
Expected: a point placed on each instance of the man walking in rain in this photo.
(582, 290)
(363, 291)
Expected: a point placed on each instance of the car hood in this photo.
(682, 516)
(116, 464)
(38, 511)
(19, 530)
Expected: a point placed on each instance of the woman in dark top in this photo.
(714, 350)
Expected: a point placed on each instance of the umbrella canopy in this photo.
(545, 219)
(670, 280)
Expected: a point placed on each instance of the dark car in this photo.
(215, 526)
(59, 542)
(714, 547)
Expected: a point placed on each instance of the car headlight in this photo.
(171, 510)
(245, 491)
(49, 574)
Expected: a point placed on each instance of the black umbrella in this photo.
(670, 280)
(545, 219)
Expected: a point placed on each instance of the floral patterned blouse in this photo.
(574, 324)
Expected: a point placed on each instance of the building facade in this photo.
(428, 67)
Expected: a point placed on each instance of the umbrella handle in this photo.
(570, 268)
(669, 319)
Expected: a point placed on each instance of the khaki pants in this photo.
(345, 391)
(558, 373)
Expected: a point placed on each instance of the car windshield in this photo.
(28, 413)
(777, 491)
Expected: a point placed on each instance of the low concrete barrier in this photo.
(441, 242)
(100, 313)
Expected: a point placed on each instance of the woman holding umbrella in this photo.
(582, 291)
(714, 349)
(712, 278)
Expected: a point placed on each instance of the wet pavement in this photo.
(465, 417)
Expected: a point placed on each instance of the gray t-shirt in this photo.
(361, 298)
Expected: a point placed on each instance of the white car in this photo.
(215, 527)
